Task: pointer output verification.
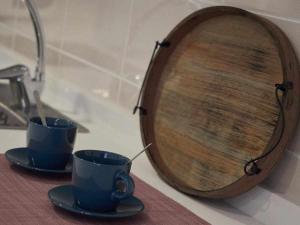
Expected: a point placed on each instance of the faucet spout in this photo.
(39, 36)
(22, 83)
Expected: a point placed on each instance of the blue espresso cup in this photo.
(51, 146)
(100, 179)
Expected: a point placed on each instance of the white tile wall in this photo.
(103, 47)
(286, 8)
(118, 36)
(8, 12)
(6, 36)
(150, 21)
(8, 18)
(96, 31)
(128, 95)
(98, 83)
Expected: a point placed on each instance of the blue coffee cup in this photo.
(51, 146)
(100, 179)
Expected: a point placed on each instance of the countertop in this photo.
(115, 129)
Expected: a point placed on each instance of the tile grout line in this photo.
(210, 2)
(253, 10)
(125, 51)
(14, 25)
(126, 47)
(61, 45)
(74, 57)
(293, 154)
(87, 63)
(263, 13)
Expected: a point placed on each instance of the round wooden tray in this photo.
(210, 101)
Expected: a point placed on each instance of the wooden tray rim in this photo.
(291, 70)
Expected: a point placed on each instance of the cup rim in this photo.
(100, 164)
(72, 124)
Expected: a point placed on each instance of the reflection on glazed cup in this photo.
(101, 179)
(51, 146)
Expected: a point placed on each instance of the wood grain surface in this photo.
(211, 100)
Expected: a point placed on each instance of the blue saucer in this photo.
(19, 157)
(62, 197)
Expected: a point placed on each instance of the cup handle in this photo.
(129, 184)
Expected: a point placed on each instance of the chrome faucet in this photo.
(22, 83)
(39, 36)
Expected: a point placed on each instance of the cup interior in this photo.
(54, 122)
(101, 157)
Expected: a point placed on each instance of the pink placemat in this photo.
(24, 201)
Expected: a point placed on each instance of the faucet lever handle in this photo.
(16, 75)
(14, 72)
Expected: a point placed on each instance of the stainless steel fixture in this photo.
(39, 35)
(17, 102)
(22, 83)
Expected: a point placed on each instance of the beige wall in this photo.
(108, 42)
